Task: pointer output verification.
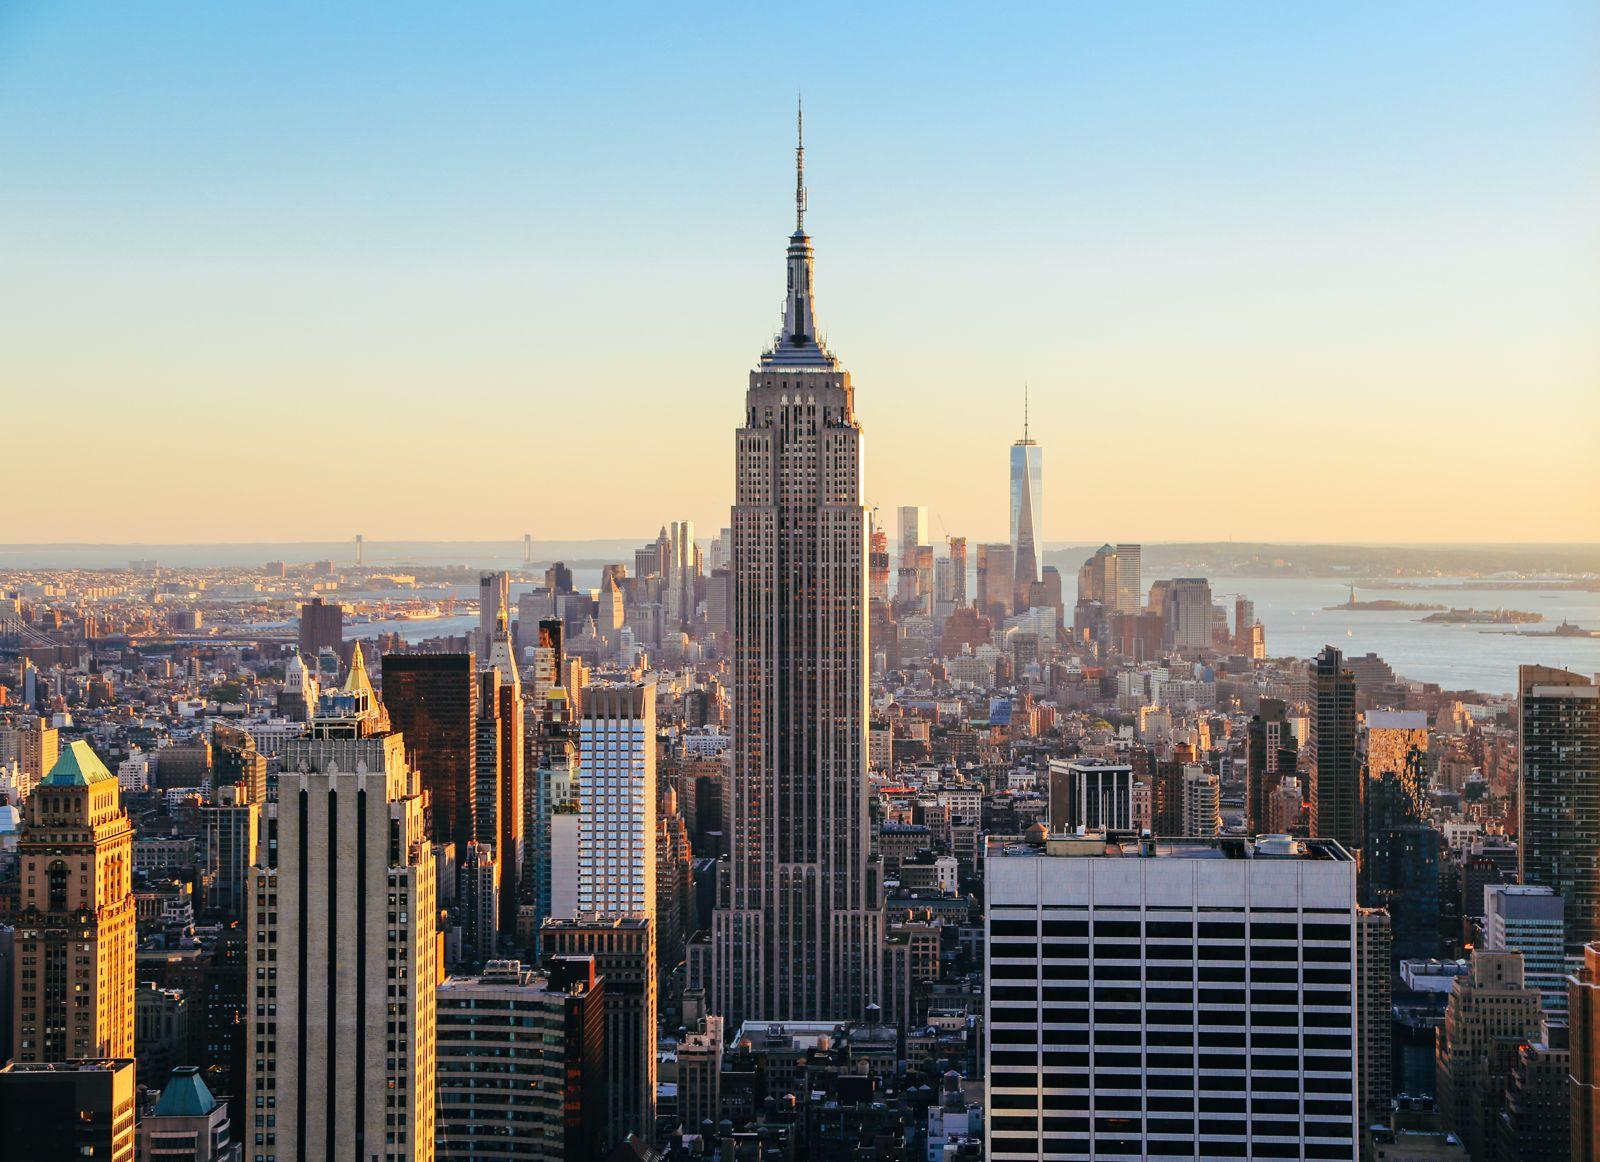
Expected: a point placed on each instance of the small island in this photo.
(1485, 617)
(1385, 605)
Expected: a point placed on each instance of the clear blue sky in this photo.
(1245, 254)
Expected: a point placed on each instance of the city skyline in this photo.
(405, 230)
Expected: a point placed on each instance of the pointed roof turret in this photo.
(78, 766)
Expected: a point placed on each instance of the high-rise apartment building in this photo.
(1334, 773)
(799, 934)
(1559, 800)
(1189, 999)
(343, 947)
(617, 808)
(1027, 507)
(521, 1063)
(72, 994)
(321, 627)
(432, 700)
(1374, 1014)
(1202, 801)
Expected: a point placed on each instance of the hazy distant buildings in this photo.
(1559, 800)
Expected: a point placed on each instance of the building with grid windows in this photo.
(1188, 998)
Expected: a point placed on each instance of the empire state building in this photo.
(798, 934)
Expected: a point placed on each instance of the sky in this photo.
(1293, 272)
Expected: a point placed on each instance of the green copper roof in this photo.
(78, 766)
(185, 1095)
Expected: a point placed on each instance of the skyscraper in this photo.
(1559, 820)
(321, 627)
(1186, 999)
(342, 929)
(494, 594)
(432, 701)
(1335, 775)
(75, 917)
(617, 809)
(499, 765)
(799, 935)
(1027, 506)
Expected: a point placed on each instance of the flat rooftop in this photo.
(1103, 845)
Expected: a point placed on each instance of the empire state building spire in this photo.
(798, 930)
(797, 343)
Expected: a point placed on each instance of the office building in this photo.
(1400, 862)
(1559, 793)
(1333, 772)
(1098, 796)
(617, 809)
(1529, 919)
(187, 1123)
(521, 1063)
(75, 917)
(1491, 1012)
(799, 933)
(997, 580)
(553, 795)
(321, 627)
(1127, 595)
(432, 700)
(1186, 999)
(343, 936)
(1027, 507)
(1185, 607)
(236, 760)
(68, 1110)
(623, 948)
(682, 571)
